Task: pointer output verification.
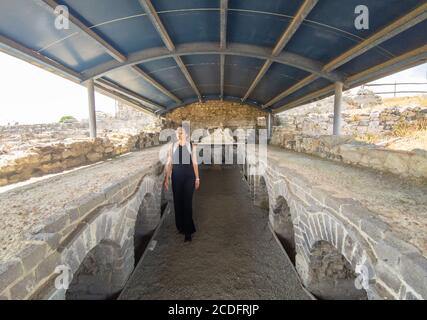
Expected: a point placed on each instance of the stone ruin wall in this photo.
(408, 164)
(53, 158)
(308, 129)
(219, 114)
(34, 150)
(363, 113)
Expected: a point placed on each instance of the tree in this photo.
(65, 119)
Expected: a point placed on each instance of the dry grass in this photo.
(405, 129)
(404, 101)
(404, 136)
(368, 138)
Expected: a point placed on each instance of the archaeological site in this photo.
(305, 180)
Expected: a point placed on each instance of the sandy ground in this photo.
(24, 207)
(399, 202)
(233, 254)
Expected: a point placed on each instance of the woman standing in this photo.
(183, 168)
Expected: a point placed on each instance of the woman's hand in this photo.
(166, 183)
(197, 184)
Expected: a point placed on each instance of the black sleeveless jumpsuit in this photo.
(183, 179)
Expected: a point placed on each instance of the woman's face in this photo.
(180, 134)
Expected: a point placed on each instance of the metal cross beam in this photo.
(155, 84)
(19, 51)
(287, 35)
(116, 54)
(223, 23)
(158, 25)
(120, 97)
(405, 61)
(128, 93)
(237, 49)
(222, 75)
(92, 34)
(223, 42)
(400, 25)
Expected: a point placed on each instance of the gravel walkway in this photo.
(233, 254)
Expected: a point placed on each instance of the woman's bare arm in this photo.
(195, 166)
(168, 168)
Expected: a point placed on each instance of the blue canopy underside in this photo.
(327, 32)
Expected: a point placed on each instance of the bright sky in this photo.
(32, 95)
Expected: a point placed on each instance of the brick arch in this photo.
(101, 275)
(113, 224)
(306, 217)
(147, 219)
(317, 227)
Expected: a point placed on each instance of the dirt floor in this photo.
(233, 254)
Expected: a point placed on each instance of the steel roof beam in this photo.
(116, 54)
(237, 49)
(19, 51)
(158, 25)
(223, 23)
(120, 97)
(222, 75)
(156, 84)
(284, 39)
(128, 93)
(407, 60)
(223, 42)
(398, 26)
(92, 34)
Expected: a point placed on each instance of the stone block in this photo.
(71, 260)
(100, 227)
(411, 296)
(32, 255)
(391, 249)
(111, 190)
(413, 269)
(23, 287)
(47, 266)
(397, 162)
(79, 248)
(56, 222)
(348, 247)
(73, 214)
(354, 211)
(318, 194)
(330, 235)
(335, 203)
(94, 156)
(51, 239)
(5, 295)
(388, 276)
(89, 202)
(374, 228)
(314, 227)
(10, 271)
(341, 234)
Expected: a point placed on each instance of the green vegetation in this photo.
(67, 119)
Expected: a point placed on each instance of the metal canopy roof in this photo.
(163, 54)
